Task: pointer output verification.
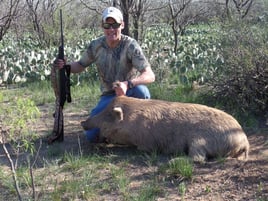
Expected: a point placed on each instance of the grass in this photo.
(148, 191)
(178, 167)
(92, 177)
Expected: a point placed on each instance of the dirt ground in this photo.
(231, 180)
(234, 180)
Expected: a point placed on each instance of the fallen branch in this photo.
(14, 175)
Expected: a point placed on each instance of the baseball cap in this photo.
(113, 13)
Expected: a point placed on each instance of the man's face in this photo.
(112, 32)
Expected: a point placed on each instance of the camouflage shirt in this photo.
(122, 63)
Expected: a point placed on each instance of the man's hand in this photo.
(59, 63)
(120, 88)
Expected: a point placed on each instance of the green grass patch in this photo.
(148, 192)
(179, 166)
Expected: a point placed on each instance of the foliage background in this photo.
(217, 46)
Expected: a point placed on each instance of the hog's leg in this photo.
(197, 153)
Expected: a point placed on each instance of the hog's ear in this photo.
(118, 113)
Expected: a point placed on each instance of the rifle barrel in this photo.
(61, 52)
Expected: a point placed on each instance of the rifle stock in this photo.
(60, 79)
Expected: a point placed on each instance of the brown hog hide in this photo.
(171, 127)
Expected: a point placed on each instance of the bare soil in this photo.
(231, 179)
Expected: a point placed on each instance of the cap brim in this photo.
(118, 20)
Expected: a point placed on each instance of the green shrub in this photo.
(16, 116)
(240, 85)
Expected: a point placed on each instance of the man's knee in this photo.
(139, 91)
(102, 104)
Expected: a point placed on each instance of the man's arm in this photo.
(76, 67)
(147, 76)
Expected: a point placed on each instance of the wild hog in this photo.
(200, 131)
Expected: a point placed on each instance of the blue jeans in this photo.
(139, 91)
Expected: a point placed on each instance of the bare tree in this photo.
(9, 11)
(242, 7)
(126, 6)
(135, 12)
(138, 13)
(96, 6)
(40, 14)
(181, 13)
(176, 9)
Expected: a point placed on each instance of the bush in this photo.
(241, 83)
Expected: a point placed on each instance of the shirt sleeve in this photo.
(87, 57)
(136, 55)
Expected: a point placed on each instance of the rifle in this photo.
(60, 80)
